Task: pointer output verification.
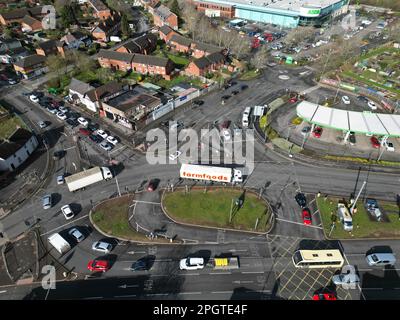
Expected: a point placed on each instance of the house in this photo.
(74, 40)
(144, 44)
(77, 93)
(115, 60)
(200, 49)
(8, 44)
(107, 28)
(101, 11)
(150, 5)
(17, 15)
(163, 16)
(47, 48)
(30, 24)
(17, 149)
(180, 43)
(12, 55)
(31, 66)
(165, 33)
(210, 63)
(96, 96)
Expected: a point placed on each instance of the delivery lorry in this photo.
(59, 243)
(209, 173)
(85, 178)
(228, 263)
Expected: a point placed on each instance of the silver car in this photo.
(76, 235)
(102, 246)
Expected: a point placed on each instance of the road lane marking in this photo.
(157, 294)
(222, 292)
(73, 221)
(3, 291)
(69, 148)
(126, 296)
(92, 298)
(191, 274)
(216, 273)
(299, 223)
(198, 292)
(252, 272)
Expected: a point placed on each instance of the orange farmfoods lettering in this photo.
(204, 176)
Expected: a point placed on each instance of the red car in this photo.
(375, 142)
(293, 100)
(98, 265)
(317, 132)
(84, 131)
(306, 216)
(324, 296)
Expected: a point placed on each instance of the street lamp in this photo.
(113, 172)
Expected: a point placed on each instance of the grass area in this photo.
(87, 76)
(9, 124)
(263, 121)
(249, 75)
(179, 79)
(362, 160)
(286, 145)
(111, 217)
(363, 226)
(213, 208)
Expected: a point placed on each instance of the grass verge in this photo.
(212, 208)
(362, 160)
(363, 226)
(249, 75)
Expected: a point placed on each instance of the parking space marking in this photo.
(62, 226)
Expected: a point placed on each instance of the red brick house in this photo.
(214, 9)
(163, 16)
(47, 48)
(115, 60)
(202, 66)
(150, 5)
(180, 43)
(101, 11)
(165, 33)
(144, 44)
(107, 28)
(200, 49)
(30, 24)
(31, 65)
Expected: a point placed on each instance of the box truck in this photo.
(59, 243)
(85, 178)
(208, 173)
(245, 117)
(345, 217)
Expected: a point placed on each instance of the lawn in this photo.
(213, 208)
(8, 126)
(363, 227)
(180, 61)
(249, 75)
(111, 217)
(176, 80)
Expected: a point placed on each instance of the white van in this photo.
(381, 259)
(245, 118)
(345, 217)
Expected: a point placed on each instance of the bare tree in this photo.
(297, 34)
(259, 59)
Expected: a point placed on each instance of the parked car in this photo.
(225, 124)
(244, 87)
(293, 100)
(301, 199)
(92, 127)
(324, 296)
(317, 132)
(51, 110)
(191, 264)
(60, 179)
(84, 132)
(34, 98)
(142, 264)
(235, 92)
(47, 201)
(352, 138)
(57, 155)
(381, 259)
(362, 98)
(98, 265)
(345, 279)
(102, 246)
(346, 100)
(83, 121)
(225, 97)
(76, 235)
(95, 138)
(106, 146)
(305, 130)
(175, 155)
(306, 215)
(112, 140)
(61, 116)
(67, 212)
(101, 133)
(372, 105)
(152, 185)
(63, 109)
(389, 146)
(42, 124)
(226, 134)
(72, 122)
(375, 142)
(198, 102)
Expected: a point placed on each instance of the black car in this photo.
(362, 98)
(95, 138)
(59, 154)
(227, 86)
(92, 127)
(233, 83)
(301, 200)
(352, 138)
(226, 97)
(72, 122)
(143, 264)
(235, 92)
(198, 102)
(244, 87)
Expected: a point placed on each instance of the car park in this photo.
(72, 122)
(106, 146)
(191, 264)
(235, 92)
(76, 235)
(244, 87)
(381, 259)
(102, 246)
(375, 142)
(83, 121)
(112, 140)
(306, 215)
(98, 265)
(95, 138)
(61, 116)
(60, 179)
(198, 102)
(317, 132)
(301, 199)
(84, 131)
(101, 133)
(175, 155)
(67, 212)
(372, 105)
(346, 100)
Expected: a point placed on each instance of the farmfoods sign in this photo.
(310, 12)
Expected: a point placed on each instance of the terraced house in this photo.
(164, 17)
(107, 28)
(144, 44)
(31, 66)
(206, 64)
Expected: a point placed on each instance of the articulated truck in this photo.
(208, 173)
(85, 178)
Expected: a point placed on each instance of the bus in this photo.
(318, 259)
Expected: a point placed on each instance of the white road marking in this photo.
(73, 221)
(222, 292)
(157, 294)
(70, 148)
(148, 202)
(245, 272)
(217, 273)
(126, 296)
(190, 292)
(299, 223)
(3, 291)
(192, 274)
(92, 298)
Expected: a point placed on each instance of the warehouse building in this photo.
(284, 13)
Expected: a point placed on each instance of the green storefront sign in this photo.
(289, 60)
(314, 11)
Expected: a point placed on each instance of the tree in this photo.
(174, 7)
(104, 74)
(57, 64)
(125, 25)
(259, 59)
(67, 16)
(83, 62)
(8, 33)
(297, 34)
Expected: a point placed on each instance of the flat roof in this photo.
(381, 124)
(280, 5)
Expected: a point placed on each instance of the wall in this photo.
(285, 21)
(20, 156)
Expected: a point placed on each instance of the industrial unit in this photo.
(284, 13)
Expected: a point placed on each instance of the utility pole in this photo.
(355, 201)
(230, 214)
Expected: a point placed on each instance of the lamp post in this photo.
(116, 179)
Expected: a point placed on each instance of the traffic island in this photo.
(219, 207)
(365, 226)
(111, 218)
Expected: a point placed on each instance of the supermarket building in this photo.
(284, 13)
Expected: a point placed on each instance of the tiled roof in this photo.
(150, 60)
(79, 86)
(105, 90)
(30, 61)
(163, 12)
(206, 61)
(114, 55)
(166, 29)
(28, 20)
(207, 47)
(181, 40)
(98, 5)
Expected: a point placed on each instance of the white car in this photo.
(83, 121)
(389, 146)
(102, 246)
(112, 140)
(76, 235)
(175, 155)
(101, 133)
(346, 100)
(226, 134)
(42, 124)
(33, 98)
(345, 279)
(106, 146)
(60, 179)
(191, 264)
(61, 116)
(67, 212)
(63, 109)
(372, 105)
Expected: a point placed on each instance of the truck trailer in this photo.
(59, 243)
(85, 178)
(209, 173)
(226, 263)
